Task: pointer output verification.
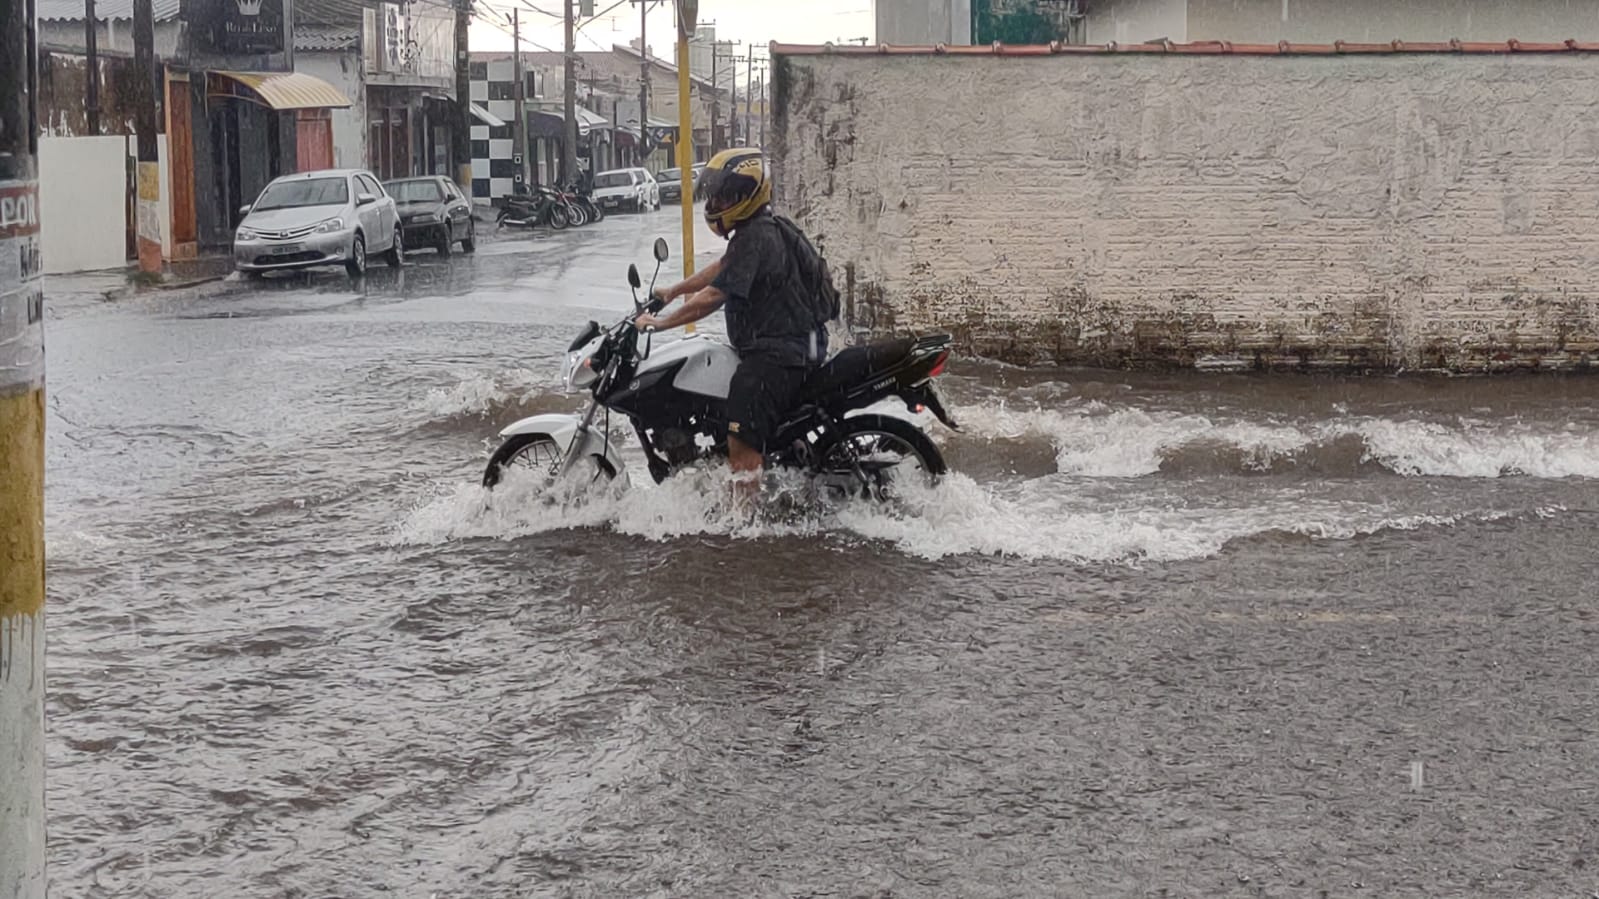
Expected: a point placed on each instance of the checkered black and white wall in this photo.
(493, 160)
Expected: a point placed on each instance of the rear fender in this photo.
(563, 429)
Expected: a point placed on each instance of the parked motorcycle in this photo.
(585, 201)
(534, 209)
(676, 398)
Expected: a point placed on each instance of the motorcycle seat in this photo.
(855, 365)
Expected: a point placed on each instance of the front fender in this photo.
(563, 429)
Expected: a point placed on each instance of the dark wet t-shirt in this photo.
(766, 309)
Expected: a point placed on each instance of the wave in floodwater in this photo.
(1105, 441)
(1033, 520)
(479, 398)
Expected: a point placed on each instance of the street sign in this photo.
(688, 17)
(585, 9)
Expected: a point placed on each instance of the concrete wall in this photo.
(1137, 21)
(923, 22)
(1416, 210)
(343, 71)
(85, 180)
(1378, 21)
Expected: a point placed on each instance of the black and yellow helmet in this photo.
(736, 188)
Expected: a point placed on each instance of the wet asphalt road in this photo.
(1160, 636)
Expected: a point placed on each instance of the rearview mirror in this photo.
(661, 251)
(245, 209)
(365, 199)
(633, 278)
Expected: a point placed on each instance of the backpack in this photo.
(812, 271)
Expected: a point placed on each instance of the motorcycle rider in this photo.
(770, 319)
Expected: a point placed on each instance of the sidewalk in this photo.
(115, 283)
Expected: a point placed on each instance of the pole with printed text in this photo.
(22, 643)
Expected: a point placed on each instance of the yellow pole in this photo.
(685, 138)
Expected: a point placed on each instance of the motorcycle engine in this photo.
(677, 445)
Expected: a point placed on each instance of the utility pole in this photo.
(22, 637)
(749, 91)
(91, 43)
(569, 143)
(762, 144)
(718, 141)
(643, 78)
(519, 129)
(463, 96)
(144, 123)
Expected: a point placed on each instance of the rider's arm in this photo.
(696, 307)
(694, 283)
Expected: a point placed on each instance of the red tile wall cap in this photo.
(1217, 48)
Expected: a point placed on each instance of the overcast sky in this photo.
(749, 21)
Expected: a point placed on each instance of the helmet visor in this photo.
(715, 184)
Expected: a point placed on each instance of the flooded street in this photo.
(1186, 635)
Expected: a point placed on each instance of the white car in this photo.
(632, 189)
(333, 217)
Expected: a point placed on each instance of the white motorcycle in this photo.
(676, 397)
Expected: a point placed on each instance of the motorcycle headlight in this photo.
(578, 372)
(245, 234)
(330, 226)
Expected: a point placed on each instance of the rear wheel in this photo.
(871, 454)
(395, 257)
(558, 219)
(539, 455)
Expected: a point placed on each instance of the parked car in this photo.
(632, 189)
(671, 181)
(332, 217)
(699, 181)
(433, 213)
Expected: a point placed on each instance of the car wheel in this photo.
(444, 241)
(356, 266)
(469, 245)
(395, 257)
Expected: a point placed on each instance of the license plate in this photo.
(612, 201)
(288, 248)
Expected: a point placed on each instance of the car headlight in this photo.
(330, 226)
(245, 234)
(427, 218)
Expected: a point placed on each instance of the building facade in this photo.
(929, 22)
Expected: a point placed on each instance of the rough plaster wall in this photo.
(1385, 212)
(1380, 21)
(1136, 21)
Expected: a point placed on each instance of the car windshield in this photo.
(309, 192)
(669, 175)
(414, 191)
(613, 179)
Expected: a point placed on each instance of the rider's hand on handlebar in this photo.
(647, 322)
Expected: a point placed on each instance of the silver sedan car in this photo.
(334, 217)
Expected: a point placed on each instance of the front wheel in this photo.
(470, 244)
(540, 456)
(558, 219)
(356, 265)
(871, 455)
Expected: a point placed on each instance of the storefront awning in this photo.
(551, 123)
(486, 117)
(278, 90)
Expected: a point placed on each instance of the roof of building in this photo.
(1201, 48)
(338, 13)
(72, 10)
(656, 60)
(313, 38)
